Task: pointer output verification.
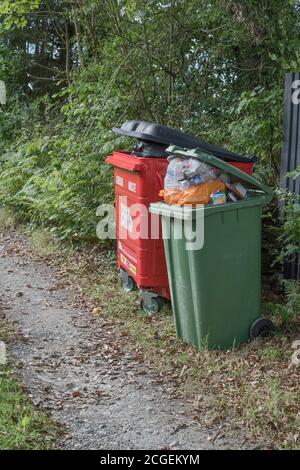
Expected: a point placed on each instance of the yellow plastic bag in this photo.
(200, 194)
(170, 195)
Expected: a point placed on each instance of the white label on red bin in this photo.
(119, 181)
(132, 186)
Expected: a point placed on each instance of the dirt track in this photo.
(80, 369)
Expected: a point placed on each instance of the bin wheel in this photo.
(262, 327)
(152, 306)
(128, 284)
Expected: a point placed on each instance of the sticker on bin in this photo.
(127, 263)
(119, 181)
(132, 186)
(121, 247)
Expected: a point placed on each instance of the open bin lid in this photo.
(152, 132)
(252, 182)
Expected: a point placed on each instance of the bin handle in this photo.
(124, 164)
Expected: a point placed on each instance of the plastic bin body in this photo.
(216, 290)
(139, 180)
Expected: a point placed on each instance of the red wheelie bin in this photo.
(141, 260)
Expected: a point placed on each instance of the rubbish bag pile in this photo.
(191, 181)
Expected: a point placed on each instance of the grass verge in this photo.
(22, 425)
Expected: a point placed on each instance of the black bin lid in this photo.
(152, 132)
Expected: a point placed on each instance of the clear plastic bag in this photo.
(175, 173)
(191, 181)
(194, 181)
(186, 172)
(195, 167)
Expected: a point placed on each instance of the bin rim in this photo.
(217, 162)
(177, 212)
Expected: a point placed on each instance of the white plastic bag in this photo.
(175, 173)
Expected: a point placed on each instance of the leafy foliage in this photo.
(76, 68)
(289, 235)
(54, 186)
(290, 309)
(14, 12)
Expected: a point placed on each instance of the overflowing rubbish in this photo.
(192, 181)
(231, 197)
(238, 189)
(200, 194)
(218, 198)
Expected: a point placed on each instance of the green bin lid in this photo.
(214, 161)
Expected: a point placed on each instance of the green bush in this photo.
(58, 181)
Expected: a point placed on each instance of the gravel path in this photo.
(81, 371)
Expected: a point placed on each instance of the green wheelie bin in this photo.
(216, 289)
